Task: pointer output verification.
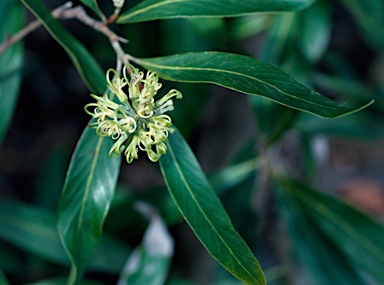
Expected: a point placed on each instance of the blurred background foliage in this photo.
(336, 47)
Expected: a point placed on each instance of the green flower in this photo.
(137, 121)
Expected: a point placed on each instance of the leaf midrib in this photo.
(89, 182)
(170, 149)
(134, 13)
(331, 216)
(237, 74)
(156, 5)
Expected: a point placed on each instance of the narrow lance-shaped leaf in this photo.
(86, 197)
(161, 9)
(246, 75)
(323, 260)
(33, 229)
(204, 212)
(369, 16)
(358, 236)
(149, 262)
(315, 30)
(11, 20)
(89, 69)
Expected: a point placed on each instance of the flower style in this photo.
(137, 121)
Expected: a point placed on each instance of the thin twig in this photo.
(30, 28)
(19, 36)
(80, 14)
(67, 12)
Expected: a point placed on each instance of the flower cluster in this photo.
(136, 121)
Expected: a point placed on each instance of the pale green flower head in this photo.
(137, 121)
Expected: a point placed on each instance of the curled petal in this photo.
(145, 110)
(137, 121)
(161, 148)
(108, 129)
(128, 124)
(153, 156)
(161, 122)
(172, 93)
(146, 140)
(118, 147)
(143, 106)
(131, 151)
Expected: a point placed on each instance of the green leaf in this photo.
(244, 27)
(11, 62)
(313, 249)
(272, 119)
(232, 175)
(94, 6)
(89, 69)
(370, 18)
(161, 9)
(315, 30)
(31, 229)
(110, 255)
(222, 180)
(86, 197)
(246, 75)
(355, 234)
(34, 230)
(279, 38)
(349, 86)
(150, 261)
(204, 212)
(361, 125)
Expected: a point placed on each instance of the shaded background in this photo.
(348, 157)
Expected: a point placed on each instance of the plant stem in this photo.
(30, 28)
(67, 12)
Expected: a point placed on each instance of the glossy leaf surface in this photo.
(314, 250)
(149, 262)
(86, 197)
(34, 230)
(355, 234)
(246, 75)
(204, 212)
(89, 69)
(161, 9)
(11, 61)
